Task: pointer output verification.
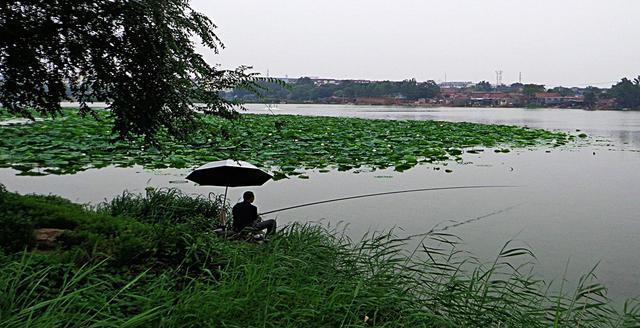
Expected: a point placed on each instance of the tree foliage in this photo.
(529, 90)
(305, 89)
(483, 86)
(591, 96)
(563, 91)
(138, 56)
(627, 93)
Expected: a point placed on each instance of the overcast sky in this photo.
(560, 42)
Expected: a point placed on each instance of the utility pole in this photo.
(520, 78)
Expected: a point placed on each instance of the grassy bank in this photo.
(289, 143)
(151, 261)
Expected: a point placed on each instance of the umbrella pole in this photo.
(224, 204)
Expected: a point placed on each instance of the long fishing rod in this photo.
(384, 193)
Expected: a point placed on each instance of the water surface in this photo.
(577, 204)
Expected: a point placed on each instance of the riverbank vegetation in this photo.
(152, 260)
(305, 89)
(284, 144)
(627, 93)
(622, 95)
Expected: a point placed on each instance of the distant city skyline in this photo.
(567, 42)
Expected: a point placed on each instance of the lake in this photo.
(576, 206)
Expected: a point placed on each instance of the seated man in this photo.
(246, 215)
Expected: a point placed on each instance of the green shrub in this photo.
(164, 205)
(130, 230)
(16, 232)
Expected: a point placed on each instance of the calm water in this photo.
(578, 206)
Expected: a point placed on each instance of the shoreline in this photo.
(98, 105)
(412, 105)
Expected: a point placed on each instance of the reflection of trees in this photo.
(631, 137)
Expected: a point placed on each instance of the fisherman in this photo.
(245, 215)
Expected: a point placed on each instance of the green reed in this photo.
(307, 275)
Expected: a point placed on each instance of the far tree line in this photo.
(625, 94)
(307, 90)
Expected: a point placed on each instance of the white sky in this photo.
(561, 42)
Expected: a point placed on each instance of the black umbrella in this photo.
(229, 173)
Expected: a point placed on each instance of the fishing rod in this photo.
(385, 193)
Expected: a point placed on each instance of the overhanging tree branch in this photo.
(137, 56)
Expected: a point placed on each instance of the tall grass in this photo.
(307, 275)
(164, 205)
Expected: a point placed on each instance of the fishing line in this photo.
(385, 193)
(454, 223)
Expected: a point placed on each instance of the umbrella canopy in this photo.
(229, 173)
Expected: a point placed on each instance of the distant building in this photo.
(361, 81)
(317, 81)
(548, 98)
(455, 85)
(552, 99)
(604, 104)
(495, 99)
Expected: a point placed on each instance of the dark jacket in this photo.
(244, 215)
